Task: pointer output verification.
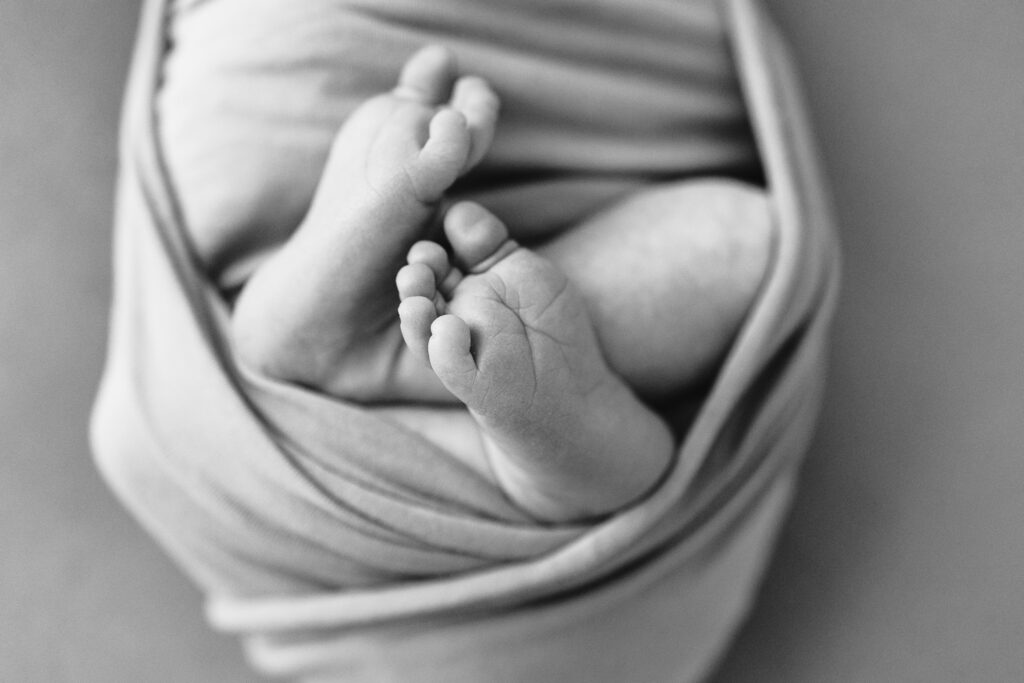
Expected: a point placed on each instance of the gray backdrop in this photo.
(904, 556)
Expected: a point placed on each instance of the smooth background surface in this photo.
(904, 556)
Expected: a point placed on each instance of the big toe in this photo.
(427, 76)
(478, 238)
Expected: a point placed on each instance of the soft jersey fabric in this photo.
(598, 95)
(341, 547)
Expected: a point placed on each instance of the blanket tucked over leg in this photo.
(341, 545)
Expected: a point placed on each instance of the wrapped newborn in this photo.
(494, 464)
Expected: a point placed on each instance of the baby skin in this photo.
(550, 348)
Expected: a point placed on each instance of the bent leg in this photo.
(668, 275)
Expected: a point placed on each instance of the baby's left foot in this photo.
(321, 311)
(509, 336)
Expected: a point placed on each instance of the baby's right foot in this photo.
(321, 311)
(509, 336)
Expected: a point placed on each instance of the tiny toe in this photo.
(450, 356)
(478, 238)
(433, 255)
(446, 287)
(479, 104)
(448, 132)
(416, 280)
(443, 155)
(427, 76)
(416, 314)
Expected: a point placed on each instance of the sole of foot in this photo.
(507, 334)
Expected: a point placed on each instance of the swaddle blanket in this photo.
(342, 546)
(597, 97)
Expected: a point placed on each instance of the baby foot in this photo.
(321, 311)
(509, 336)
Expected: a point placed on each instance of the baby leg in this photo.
(668, 275)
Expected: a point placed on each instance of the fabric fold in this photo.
(341, 546)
